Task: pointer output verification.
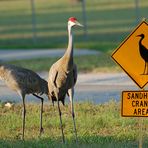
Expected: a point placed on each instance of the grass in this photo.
(108, 23)
(90, 63)
(97, 125)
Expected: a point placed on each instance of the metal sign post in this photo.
(140, 132)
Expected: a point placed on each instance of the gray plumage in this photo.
(24, 81)
(63, 80)
(63, 76)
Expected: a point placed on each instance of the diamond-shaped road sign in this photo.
(132, 55)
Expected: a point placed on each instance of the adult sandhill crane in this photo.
(24, 81)
(144, 53)
(63, 76)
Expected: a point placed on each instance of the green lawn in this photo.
(91, 63)
(108, 22)
(97, 125)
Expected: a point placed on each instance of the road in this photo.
(96, 88)
(8, 55)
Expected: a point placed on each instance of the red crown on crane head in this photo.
(72, 19)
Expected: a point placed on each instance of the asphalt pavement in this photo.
(8, 55)
(91, 87)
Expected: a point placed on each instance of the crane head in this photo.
(73, 22)
(140, 35)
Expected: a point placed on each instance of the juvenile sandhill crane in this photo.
(24, 81)
(144, 53)
(63, 76)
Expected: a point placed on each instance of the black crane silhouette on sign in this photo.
(144, 53)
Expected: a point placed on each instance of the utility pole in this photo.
(33, 21)
(137, 9)
(84, 17)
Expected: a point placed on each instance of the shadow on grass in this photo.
(84, 141)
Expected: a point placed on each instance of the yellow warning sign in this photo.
(132, 55)
(134, 104)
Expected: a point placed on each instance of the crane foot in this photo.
(41, 131)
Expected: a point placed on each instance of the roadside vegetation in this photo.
(108, 23)
(98, 126)
(90, 63)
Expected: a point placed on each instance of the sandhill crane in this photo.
(63, 76)
(144, 53)
(24, 81)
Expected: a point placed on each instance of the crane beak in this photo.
(78, 24)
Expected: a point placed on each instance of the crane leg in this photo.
(60, 115)
(41, 113)
(23, 116)
(71, 93)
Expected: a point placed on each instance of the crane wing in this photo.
(75, 74)
(55, 78)
(53, 73)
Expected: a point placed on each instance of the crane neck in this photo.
(68, 56)
(69, 50)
